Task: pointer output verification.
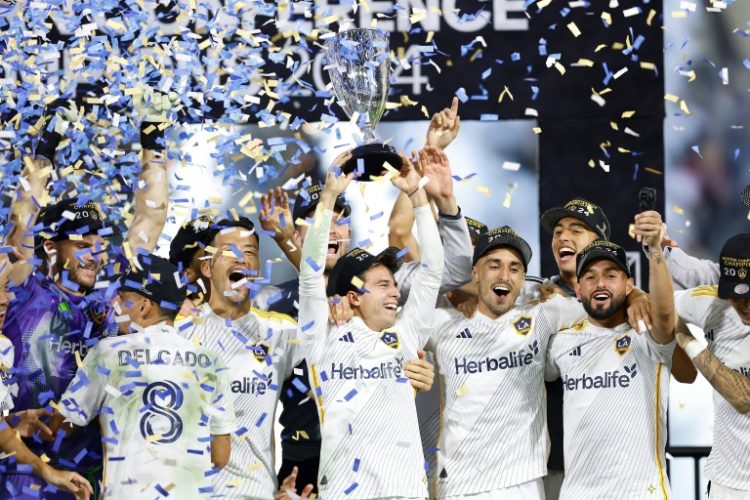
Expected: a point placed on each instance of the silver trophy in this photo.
(359, 66)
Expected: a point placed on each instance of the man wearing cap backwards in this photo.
(259, 352)
(9, 442)
(56, 317)
(574, 226)
(615, 380)
(493, 442)
(723, 313)
(163, 403)
(370, 446)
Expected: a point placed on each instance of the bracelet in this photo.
(693, 349)
(413, 192)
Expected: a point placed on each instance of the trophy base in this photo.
(373, 157)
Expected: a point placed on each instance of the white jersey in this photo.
(8, 388)
(260, 354)
(616, 389)
(159, 399)
(729, 340)
(370, 434)
(494, 432)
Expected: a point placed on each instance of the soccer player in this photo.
(9, 443)
(574, 226)
(163, 403)
(615, 379)
(723, 312)
(56, 317)
(258, 348)
(493, 441)
(370, 435)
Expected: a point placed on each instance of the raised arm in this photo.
(313, 306)
(648, 227)
(276, 218)
(733, 386)
(688, 271)
(152, 193)
(420, 305)
(31, 193)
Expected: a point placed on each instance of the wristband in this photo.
(413, 192)
(693, 349)
(152, 139)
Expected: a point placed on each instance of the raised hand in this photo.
(649, 228)
(444, 126)
(421, 373)
(408, 178)
(152, 105)
(434, 165)
(337, 183)
(274, 210)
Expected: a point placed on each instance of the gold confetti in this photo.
(574, 29)
(678, 210)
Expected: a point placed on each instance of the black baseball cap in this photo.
(356, 262)
(156, 279)
(503, 236)
(241, 222)
(68, 217)
(589, 213)
(601, 249)
(192, 236)
(476, 228)
(308, 199)
(734, 282)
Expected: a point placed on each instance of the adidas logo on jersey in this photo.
(513, 359)
(607, 380)
(575, 352)
(347, 337)
(464, 334)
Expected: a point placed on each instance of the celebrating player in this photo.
(371, 446)
(723, 313)
(615, 380)
(56, 317)
(163, 403)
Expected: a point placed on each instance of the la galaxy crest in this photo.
(522, 325)
(390, 339)
(260, 351)
(622, 345)
(97, 312)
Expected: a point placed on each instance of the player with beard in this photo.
(58, 316)
(574, 226)
(615, 379)
(9, 441)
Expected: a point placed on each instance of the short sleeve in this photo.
(551, 370)
(693, 305)
(221, 411)
(661, 353)
(84, 397)
(562, 312)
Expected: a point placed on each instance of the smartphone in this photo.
(646, 199)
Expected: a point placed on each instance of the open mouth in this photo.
(236, 276)
(566, 253)
(391, 307)
(600, 296)
(501, 290)
(333, 247)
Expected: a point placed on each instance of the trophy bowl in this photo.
(359, 67)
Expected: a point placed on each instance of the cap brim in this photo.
(595, 255)
(551, 217)
(731, 289)
(515, 243)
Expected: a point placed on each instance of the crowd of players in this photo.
(128, 375)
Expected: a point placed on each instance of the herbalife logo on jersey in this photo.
(743, 371)
(514, 359)
(608, 380)
(391, 369)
